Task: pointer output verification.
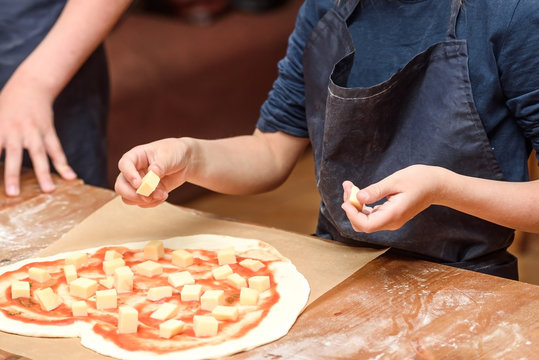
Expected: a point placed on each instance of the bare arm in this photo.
(413, 189)
(26, 100)
(238, 165)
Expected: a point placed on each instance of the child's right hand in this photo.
(166, 158)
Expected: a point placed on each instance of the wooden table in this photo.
(392, 308)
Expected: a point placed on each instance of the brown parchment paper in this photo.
(324, 263)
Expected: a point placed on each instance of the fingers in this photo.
(57, 155)
(129, 195)
(12, 167)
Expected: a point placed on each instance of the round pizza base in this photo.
(292, 287)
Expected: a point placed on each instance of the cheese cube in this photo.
(225, 313)
(123, 279)
(182, 258)
(154, 250)
(70, 273)
(79, 308)
(149, 183)
(20, 289)
(127, 320)
(226, 256)
(82, 287)
(222, 272)
(353, 198)
(170, 328)
(191, 292)
(111, 255)
(38, 275)
(180, 278)
(253, 265)
(260, 283)
(159, 292)
(110, 265)
(106, 299)
(107, 282)
(248, 296)
(211, 298)
(78, 259)
(165, 311)
(47, 299)
(149, 268)
(236, 280)
(204, 325)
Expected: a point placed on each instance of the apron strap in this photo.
(346, 8)
(452, 26)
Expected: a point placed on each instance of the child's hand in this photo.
(407, 193)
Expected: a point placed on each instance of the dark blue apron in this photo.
(81, 109)
(423, 114)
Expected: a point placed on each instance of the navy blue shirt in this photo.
(503, 47)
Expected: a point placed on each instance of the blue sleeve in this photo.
(519, 68)
(284, 109)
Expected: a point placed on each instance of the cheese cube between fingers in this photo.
(170, 328)
(127, 320)
(39, 275)
(20, 289)
(47, 299)
(149, 184)
(205, 326)
(154, 250)
(353, 198)
(248, 296)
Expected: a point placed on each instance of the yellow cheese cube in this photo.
(191, 292)
(170, 328)
(159, 292)
(127, 320)
(205, 326)
(70, 273)
(182, 258)
(180, 278)
(253, 265)
(82, 287)
(111, 255)
(79, 308)
(38, 275)
(260, 283)
(353, 198)
(211, 298)
(165, 311)
(149, 183)
(110, 265)
(78, 259)
(149, 268)
(226, 256)
(106, 299)
(248, 296)
(20, 289)
(123, 279)
(107, 282)
(221, 312)
(154, 250)
(236, 280)
(47, 299)
(222, 272)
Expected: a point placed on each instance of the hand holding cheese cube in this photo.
(149, 183)
(353, 198)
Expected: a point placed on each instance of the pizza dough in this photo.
(254, 326)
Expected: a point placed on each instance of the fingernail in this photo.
(12, 190)
(48, 186)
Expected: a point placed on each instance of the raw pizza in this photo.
(191, 297)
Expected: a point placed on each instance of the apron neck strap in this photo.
(345, 8)
(452, 26)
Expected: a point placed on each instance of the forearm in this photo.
(511, 204)
(81, 27)
(245, 164)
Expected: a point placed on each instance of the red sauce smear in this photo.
(147, 337)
